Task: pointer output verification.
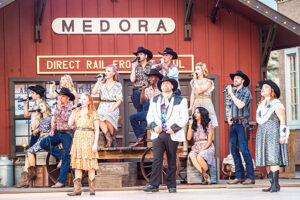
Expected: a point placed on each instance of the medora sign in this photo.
(113, 25)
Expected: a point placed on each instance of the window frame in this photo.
(293, 124)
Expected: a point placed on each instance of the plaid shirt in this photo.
(243, 95)
(61, 117)
(140, 77)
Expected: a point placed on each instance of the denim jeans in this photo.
(136, 100)
(139, 123)
(238, 140)
(33, 139)
(49, 144)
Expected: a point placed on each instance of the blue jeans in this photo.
(238, 140)
(49, 144)
(33, 139)
(136, 95)
(139, 123)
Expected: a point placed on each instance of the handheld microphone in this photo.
(76, 106)
(21, 100)
(194, 74)
(36, 110)
(225, 90)
(136, 59)
(139, 86)
(160, 61)
(100, 75)
(53, 82)
(55, 103)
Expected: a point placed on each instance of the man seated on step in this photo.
(138, 120)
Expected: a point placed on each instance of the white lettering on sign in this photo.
(113, 25)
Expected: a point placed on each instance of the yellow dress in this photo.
(81, 153)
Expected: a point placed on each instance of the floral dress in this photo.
(201, 137)
(44, 128)
(113, 94)
(81, 153)
(205, 102)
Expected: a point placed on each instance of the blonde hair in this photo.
(203, 68)
(48, 109)
(69, 82)
(116, 77)
(273, 96)
(91, 107)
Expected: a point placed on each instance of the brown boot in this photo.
(114, 141)
(92, 186)
(77, 188)
(31, 173)
(140, 142)
(207, 179)
(24, 181)
(108, 139)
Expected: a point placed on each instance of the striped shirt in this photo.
(243, 95)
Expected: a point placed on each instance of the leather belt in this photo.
(107, 100)
(200, 141)
(65, 131)
(238, 120)
(84, 129)
(203, 97)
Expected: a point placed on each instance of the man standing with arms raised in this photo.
(137, 76)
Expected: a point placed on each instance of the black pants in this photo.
(163, 143)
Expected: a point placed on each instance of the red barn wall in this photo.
(230, 44)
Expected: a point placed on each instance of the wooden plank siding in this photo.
(230, 44)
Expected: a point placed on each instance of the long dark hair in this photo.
(204, 119)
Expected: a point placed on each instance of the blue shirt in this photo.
(243, 95)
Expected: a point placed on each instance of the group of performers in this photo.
(156, 97)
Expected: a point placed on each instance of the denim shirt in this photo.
(243, 95)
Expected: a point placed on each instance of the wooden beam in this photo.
(188, 13)
(267, 37)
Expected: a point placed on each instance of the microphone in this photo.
(76, 106)
(54, 103)
(36, 110)
(21, 100)
(136, 59)
(100, 75)
(53, 82)
(225, 90)
(160, 61)
(193, 74)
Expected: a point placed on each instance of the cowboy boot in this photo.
(77, 188)
(275, 187)
(24, 181)
(92, 186)
(270, 176)
(108, 139)
(206, 177)
(31, 173)
(140, 142)
(114, 140)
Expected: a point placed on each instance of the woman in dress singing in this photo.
(111, 97)
(84, 154)
(202, 88)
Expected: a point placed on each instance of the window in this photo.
(21, 126)
(292, 87)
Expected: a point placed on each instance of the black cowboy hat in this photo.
(67, 92)
(38, 89)
(166, 78)
(241, 74)
(169, 51)
(154, 72)
(145, 51)
(273, 85)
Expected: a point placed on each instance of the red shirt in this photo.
(61, 117)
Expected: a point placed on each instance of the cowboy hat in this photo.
(67, 92)
(154, 72)
(241, 74)
(38, 89)
(171, 80)
(169, 51)
(273, 85)
(145, 51)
